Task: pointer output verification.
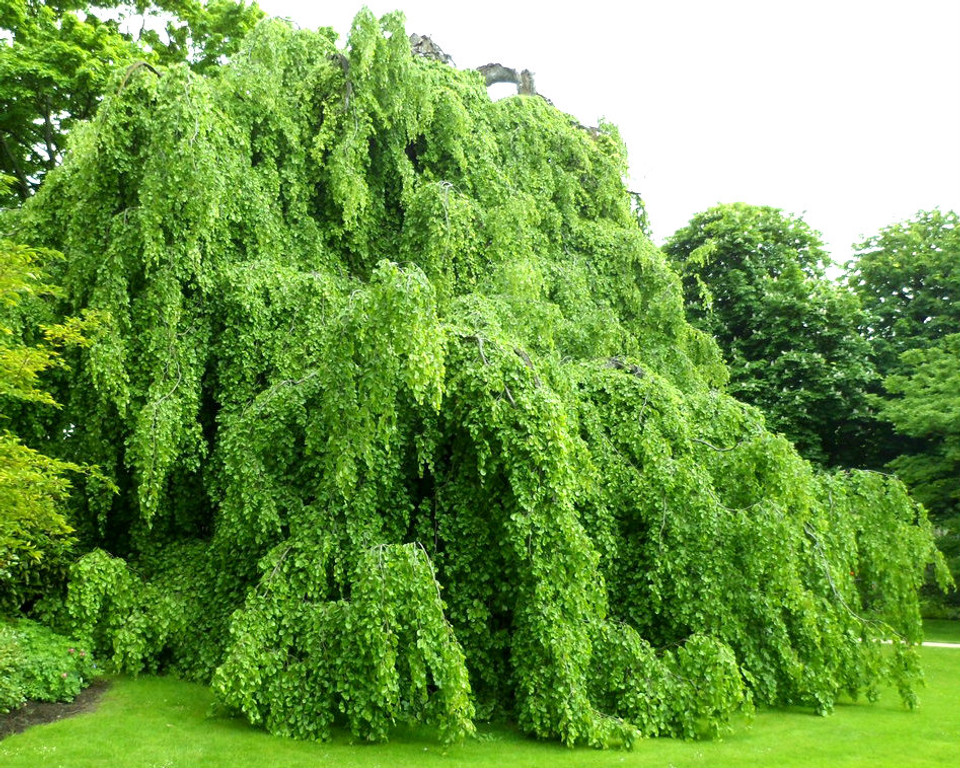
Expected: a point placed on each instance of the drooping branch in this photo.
(527, 362)
(718, 449)
(825, 562)
(713, 447)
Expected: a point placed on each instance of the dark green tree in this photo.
(202, 33)
(924, 403)
(908, 280)
(59, 57)
(754, 278)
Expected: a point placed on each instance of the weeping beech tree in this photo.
(407, 422)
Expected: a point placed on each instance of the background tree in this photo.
(59, 57)
(924, 403)
(908, 281)
(908, 278)
(202, 33)
(754, 278)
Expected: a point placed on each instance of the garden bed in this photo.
(41, 712)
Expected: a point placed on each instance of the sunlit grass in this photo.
(153, 722)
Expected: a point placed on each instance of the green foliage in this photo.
(200, 32)
(21, 280)
(385, 653)
(35, 537)
(100, 605)
(690, 693)
(408, 423)
(53, 71)
(60, 58)
(924, 404)
(709, 687)
(754, 279)
(11, 692)
(38, 665)
(146, 619)
(908, 279)
(35, 534)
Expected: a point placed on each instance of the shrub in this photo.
(11, 692)
(39, 665)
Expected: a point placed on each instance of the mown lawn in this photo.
(941, 631)
(152, 722)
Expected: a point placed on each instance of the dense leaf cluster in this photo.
(908, 278)
(37, 664)
(58, 58)
(407, 421)
(754, 278)
(35, 534)
(923, 404)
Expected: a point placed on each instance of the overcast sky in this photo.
(845, 112)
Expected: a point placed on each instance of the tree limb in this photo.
(133, 68)
(527, 362)
(23, 184)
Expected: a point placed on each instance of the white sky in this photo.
(844, 111)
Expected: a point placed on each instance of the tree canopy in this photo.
(754, 278)
(406, 420)
(925, 404)
(59, 57)
(908, 279)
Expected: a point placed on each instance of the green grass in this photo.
(153, 722)
(941, 631)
